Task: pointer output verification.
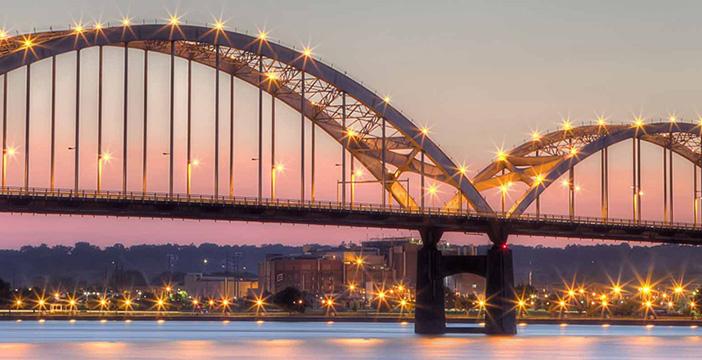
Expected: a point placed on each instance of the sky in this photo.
(480, 74)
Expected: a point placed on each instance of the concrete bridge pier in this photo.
(500, 312)
(496, 267)
(429, 315)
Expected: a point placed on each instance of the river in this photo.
(193, 340)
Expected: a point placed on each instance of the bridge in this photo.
(374, 139)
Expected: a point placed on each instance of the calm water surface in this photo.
(275, 340)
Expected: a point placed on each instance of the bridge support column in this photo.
(429, 316)
(500, 314)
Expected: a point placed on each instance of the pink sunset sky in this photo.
(481, 75)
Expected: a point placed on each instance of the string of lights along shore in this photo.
(194, 111)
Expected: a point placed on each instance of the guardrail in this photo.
(331, 205)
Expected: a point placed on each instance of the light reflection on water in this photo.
(273, 340)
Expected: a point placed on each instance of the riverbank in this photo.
(339, 317)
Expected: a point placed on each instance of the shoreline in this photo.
(391, 318)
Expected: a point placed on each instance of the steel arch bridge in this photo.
(371, 130)
(540, 162)
(368, 129)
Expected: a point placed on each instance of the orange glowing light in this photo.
(638, 122)
(307, 52)
(272, 76)
(3, 34)
(504, 188)
(219, 25)
(126, 21)
(501, 155)
(433, 189)
(601, 121)
(262, 35)
(174, 20)
(566, 125)
(386, 99)
(27, 43)
(78, 29)
(481, 303)
(359, 261)
(538, 179)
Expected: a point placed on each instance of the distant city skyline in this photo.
(480, 75)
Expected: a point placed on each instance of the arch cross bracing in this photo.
(325, 90)
(539, 162)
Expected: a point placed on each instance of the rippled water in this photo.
(272, 340)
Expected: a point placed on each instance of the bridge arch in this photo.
(322, 104)
(541, 161)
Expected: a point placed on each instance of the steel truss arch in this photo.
(541, 161)
(322, 104)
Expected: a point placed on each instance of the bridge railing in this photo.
(331, 205)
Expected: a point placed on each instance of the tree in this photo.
(5, 292)
(289, 299)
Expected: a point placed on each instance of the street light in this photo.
(191, 164)
(504, 189)
(277, 168)
(9, 152)
(354, 175)
(433, 190)
(103, 159)
(462, 170)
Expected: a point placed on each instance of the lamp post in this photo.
(103, 159)
(277, 168)
(6, 154)
(191, 164)
(462, 172)
(504, 189)
(432, 190)
(354, 175)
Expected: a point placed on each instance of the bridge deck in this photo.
(159, 205)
